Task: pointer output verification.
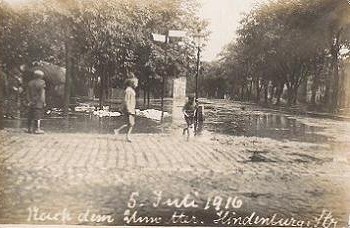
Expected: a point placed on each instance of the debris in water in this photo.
(152, 114)
(104, 113)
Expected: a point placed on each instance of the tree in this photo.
(104, 38)
(286, 44)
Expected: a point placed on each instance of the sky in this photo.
(224, 17)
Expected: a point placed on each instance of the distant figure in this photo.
(36, 102)
(189, 111)
(129, 106)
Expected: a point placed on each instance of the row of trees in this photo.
(101, 40)
(284, 44)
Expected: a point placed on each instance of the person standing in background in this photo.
(36, 102)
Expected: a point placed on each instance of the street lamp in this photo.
(198, 39)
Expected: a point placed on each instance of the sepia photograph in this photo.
(179, 113)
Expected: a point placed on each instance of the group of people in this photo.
(193, 113)
(37, 102)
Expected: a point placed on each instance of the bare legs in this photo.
(117, 131)
(129, 133)
(187, 130)
(38, 129)
(130, 125)
(34, 115)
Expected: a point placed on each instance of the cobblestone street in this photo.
(99, 172)
(175, 113)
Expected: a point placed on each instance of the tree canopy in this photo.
(106, 38)
(285, 44)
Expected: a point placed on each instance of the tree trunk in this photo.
(272, 93)
(162, 98)
(295, 95)
(67, 87)
(144, 96)
(327, 93)
(2, 97)
(148, 98)
(148, 94)
(102, 98)
(279, 91)
(314, 88)
(290, 95)
(313, 95)
(335, 66)
(73, 77)
(257, 91)
(250, 90)
(107, 93)
(266, 93)
(335, 94)
(302, 96)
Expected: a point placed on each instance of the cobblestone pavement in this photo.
(99, 172)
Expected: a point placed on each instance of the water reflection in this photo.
(87, 124)
(227, 118)
(235, 120)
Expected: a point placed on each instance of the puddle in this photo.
(231, 118)
(243, 120)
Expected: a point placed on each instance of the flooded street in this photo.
(273, 162)
(223, 117)
(179, 113)
(242, 119)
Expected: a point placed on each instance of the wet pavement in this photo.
(271, 162)
(236, 118)
(248, 120)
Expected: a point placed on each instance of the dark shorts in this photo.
(130, 119)
(35, 113)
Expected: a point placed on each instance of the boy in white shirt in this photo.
(129, 106)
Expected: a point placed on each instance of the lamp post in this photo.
(197, 68)
(198, 38)
(165, 74)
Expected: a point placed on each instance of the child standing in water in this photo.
(189, 111)
(36, 102)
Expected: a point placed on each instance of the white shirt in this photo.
(130, 100)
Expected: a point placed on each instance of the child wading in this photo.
(189, 111)
(129, 105)
(199, 118)
(36, 102)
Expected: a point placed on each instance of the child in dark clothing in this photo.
(189, 111)
(36, 99)
(199, 118)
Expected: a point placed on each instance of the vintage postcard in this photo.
(208, 113)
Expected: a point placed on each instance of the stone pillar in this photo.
(179, 88)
